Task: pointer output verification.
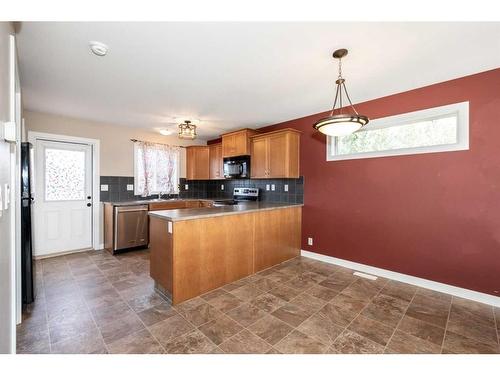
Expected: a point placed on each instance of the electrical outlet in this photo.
(285, 187)
(104, 187)
(268, 187)
(130, 187)
(273, 187)
(222, 187)
(310, 241)
(186, 187)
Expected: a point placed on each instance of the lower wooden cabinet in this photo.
(178, 204)
(277, 237)
(197, 163)
(206, 253)
(161, 256)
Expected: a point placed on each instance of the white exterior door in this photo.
(63, 197)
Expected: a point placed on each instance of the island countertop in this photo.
(201, 213)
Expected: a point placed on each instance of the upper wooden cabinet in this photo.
(216, 164)
(275, 154)
(237, 143)
(197, 163)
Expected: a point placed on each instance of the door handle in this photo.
(89, 204)
(89, 197)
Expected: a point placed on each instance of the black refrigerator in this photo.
(28, 272)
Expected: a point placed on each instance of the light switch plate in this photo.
(9, 131)
(273, 187)
(6, 200)
(285, 187)
(104, 187)
(130, 187)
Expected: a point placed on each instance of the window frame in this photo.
(136, 179)
(460, 109)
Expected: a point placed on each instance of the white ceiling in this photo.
(234, 75)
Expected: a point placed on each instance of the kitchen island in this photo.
(196, 250)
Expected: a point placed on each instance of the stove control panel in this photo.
(246, 192)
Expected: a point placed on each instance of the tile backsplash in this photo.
(118, 189)
(212, 189)
(121, 189)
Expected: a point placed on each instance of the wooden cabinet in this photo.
(197, 163)
(207, 203)
(237, 143)
(277, 237)
(209, 253)
(161, 255)
(216, 164)
(206, 253)
(178, 204)
(258, 166)
(169, 205)
(275, 154)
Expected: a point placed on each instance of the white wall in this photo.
(6, 240)
(116, 147)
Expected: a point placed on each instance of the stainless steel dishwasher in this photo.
(131, 226)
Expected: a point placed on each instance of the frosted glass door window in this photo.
(64, 175)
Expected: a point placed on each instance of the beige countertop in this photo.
(201, 213)
(149, 201)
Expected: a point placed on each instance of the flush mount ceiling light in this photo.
(346, 120)
(165, 132)
(187, 130)
(98, 48)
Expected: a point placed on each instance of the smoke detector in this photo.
(165, 132)
(98, 48)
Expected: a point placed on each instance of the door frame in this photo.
(34, 136)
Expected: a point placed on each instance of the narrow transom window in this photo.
(437, 129)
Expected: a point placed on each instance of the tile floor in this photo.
(93, 302)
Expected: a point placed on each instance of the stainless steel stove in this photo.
(240, 195)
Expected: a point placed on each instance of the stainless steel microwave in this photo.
(237, 167)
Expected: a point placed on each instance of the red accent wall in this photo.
(435, 216)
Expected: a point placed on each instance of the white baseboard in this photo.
(99, 247)
(417, 281)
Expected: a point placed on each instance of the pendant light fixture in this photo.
(187, 130)
(346, 120)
